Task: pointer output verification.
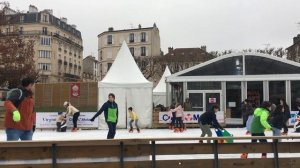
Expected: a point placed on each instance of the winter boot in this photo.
(131, 130)
(248, 133)
(74, 129)
(244, 156)
(176, 130)
(138, 130)
(284, 133)
(200, 141)
(181, 129)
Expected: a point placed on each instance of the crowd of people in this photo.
(20, 116)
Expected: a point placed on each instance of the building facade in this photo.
(230, 79)
(293, 52)
(90, 69)
(58, 45)
(142, 42)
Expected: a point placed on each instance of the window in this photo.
(295, 95)
(22, 18)
(109, 39)
(44, 67)
(45, 30)
(108, 66)
(45, 18)
(143, 37)
(276, 91)
(132, 50)
(7, 30)
(45, 41)
(204, 85)
(233, 96)
(44, 54)
(143, 51)
(131, 38)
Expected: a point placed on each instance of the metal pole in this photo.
(54, 157)
(216, 157)
(275, 151)
(153, 154)
(121, 154)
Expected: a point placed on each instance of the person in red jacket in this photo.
(19, 114)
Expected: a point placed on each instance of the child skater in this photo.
(172, 115)
(134, 118)
(179, 116)
(61, 123)
(209, 118)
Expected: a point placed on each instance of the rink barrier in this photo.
(144, 153)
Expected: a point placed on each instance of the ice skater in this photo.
(276, 120)
(287, 116)
(111, 113)
(72, 111)
(179, 118)
(172, 115)
(209, 118)
(61, 123)
(260, 125)
(134, 118)
(247, 111)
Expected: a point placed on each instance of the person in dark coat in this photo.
(277, 119)
(287, 116)
(247, 111)
(209, 118)
(111, 113)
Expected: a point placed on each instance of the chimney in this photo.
(203, 48)
(33, 9)
(110, 29)
(140, 26)
(170, 49)
(63, 19)
(296, 39)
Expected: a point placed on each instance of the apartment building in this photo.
(90, 69)
(58, 45)
(142, 42)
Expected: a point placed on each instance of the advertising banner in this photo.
(189, 117)
(75, 90)
(48, 120)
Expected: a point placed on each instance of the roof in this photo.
(124, 30)
(190, 54)
(124, 70)
(161, 86)
(213, 70)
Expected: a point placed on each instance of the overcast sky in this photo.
(218, 24)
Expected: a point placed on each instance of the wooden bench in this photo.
(145, 153)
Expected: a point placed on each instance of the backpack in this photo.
(16, 96)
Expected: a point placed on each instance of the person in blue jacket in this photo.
(111, 113)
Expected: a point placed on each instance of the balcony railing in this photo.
(65, 63)
(67, 75)
(59, 61)
(70, 64)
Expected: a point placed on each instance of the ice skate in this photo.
(244, 156)
(138, 130)
(74, 129)
(248, 133)
(181, 129)
(130, 130)
(176, 130)
(284, 133)
(263, 156)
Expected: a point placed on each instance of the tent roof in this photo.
(124, 70)
(161, 86)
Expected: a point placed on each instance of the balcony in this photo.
(67, 75)
(59, 61)
(70, 64)
(65, 63)
(79, 67)
(75, 66)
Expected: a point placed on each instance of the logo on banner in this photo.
(75, 89)
(188, 117)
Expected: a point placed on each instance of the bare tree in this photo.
(16, 54)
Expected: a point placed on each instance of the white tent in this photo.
(131, 88)
(159, 93)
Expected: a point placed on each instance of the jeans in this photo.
(111, 130)
(75, 119)
(136, 124)
(179, 122)
(16, 134)
(276, 131)
(249, 121)
(205, 131)
(260, 140)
